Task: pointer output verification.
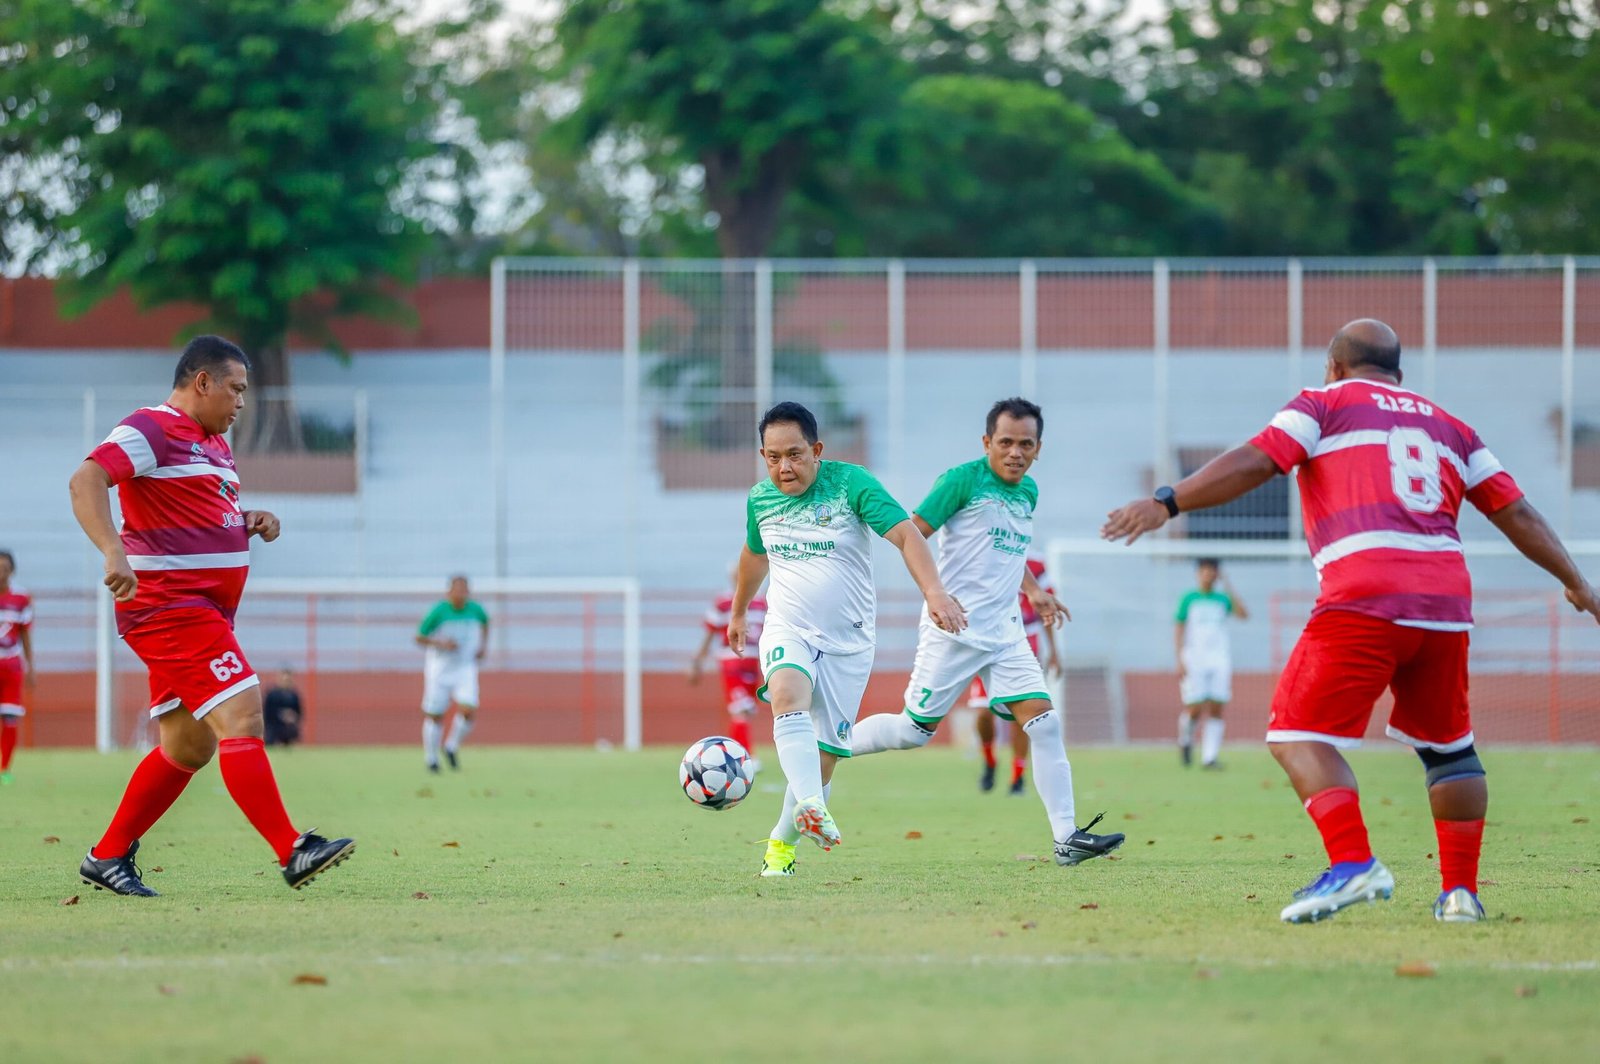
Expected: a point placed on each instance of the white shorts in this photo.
(1207, 682)
(944, 666)
(458, 685)
(838, 681)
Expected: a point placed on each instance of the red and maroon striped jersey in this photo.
(1383, 472)
(1031, 624)
(182, 525)
(722, 612)
(16, 613)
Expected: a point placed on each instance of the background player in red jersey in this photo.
(177, 571)
(16, 659)
(741, 673)
(1383, 472)
(978, 698)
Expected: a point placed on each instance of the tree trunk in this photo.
(269, 423)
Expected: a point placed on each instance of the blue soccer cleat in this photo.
(1339, 887)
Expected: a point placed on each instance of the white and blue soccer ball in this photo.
(716, 773)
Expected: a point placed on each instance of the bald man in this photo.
(1383, 472)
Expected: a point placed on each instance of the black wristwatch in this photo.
(1168, 498)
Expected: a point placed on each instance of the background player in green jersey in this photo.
(1205, 661)
(807, 527)
(985, 508)
(456, 635)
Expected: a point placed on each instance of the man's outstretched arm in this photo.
(1223, 479)
(1531, 534)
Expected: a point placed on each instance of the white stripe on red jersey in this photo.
(721, 613)
(16, 613)
(1383, 474)
(182, 526)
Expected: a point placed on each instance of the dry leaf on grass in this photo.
(1575, 820)
(395, 852)
(1030, 925)
(169, 991)
(70, 901)
(156, 869)
(997, 933)
(1205, 973)
(913, 834)
(309, 979)
(422, 895)
(1417, 970)
(450, 845)
(1090, 905)
(1527, 991)
(49, 839)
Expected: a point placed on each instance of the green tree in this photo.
(1011, 168)
(250, 156)
(1506, 98)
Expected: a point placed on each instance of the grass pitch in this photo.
(569, 905)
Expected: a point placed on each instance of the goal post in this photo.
(562, 665)
(1535, 661)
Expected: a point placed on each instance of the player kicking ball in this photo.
(1383, 472)
(984, 511)
(807, 528)
(177, 572)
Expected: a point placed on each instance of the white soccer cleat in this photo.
(1338, 888)
(811, 819)
(1458, 906)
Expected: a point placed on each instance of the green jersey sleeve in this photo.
(752, 528)
(477, 612)
(872, 502)
(950, 493)
(434, 618)
(1183, 607)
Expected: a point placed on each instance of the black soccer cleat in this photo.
(314, 855)
(119, 875)
(433, 767)
(986, 781)
(1083, 845)
(450, 756)
(1019, 785)
(1186, 754)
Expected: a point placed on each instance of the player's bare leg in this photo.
(460, 728)
(247, 773)
(986, 734)
(1052, 778)
(1458, 795)
(1327, 787)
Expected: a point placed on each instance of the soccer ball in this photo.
(716, 773)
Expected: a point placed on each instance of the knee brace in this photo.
(1458, 765)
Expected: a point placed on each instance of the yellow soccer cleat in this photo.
(779, 860)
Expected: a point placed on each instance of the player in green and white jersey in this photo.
(1205, 661)
(456, 635)
(807, 528)
(985, 511)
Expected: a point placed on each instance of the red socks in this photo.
(1337, 814)
(1460, 842)
(739, 732)
(247, 774)
(155, 785)
(1018, 767)
(8, 742)
(988, 755)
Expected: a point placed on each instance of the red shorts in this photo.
(11, 687)
(1340, 668)
(194, 660)
(741, 677)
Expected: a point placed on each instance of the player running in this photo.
(177, 572)
(985, 509)
(978, 696)
(807, 527)
(1205, 660)
(16, 659)
(741, 673)
(456, 635)
(1383, 473)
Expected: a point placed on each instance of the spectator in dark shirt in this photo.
(281, 711)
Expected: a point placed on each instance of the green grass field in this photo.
(574, 906)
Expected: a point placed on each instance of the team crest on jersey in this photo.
(823, 514)
(844, 731)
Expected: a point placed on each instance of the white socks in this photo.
(1052, 772)
(795, 739)
(887, 731)
(1210, 740)
(432, 729)
(460, 728)
(1185, 728)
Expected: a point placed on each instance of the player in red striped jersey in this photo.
(741, 673)
(16, 659)
(1383, 472)
(177, 571)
